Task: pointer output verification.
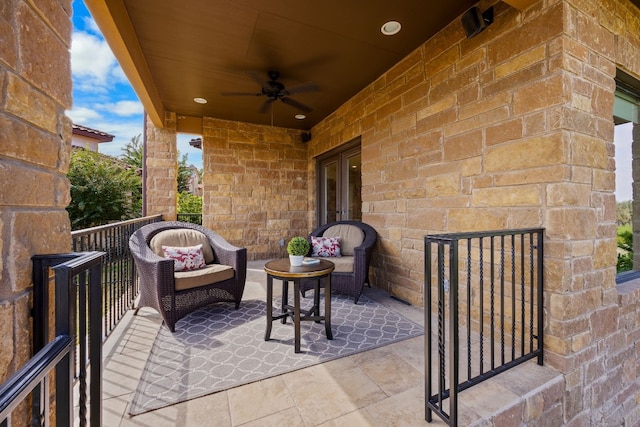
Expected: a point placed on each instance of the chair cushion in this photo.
(185, 258)
(181, 237)
(325, 246)
(350, 236)
(204, 276)
(343, 264)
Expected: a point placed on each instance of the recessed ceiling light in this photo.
(200, 100)
(390, 28)
(300, 116)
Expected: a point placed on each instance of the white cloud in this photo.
(83, 115)
(123, 130)
(123, 108)
(92, 63)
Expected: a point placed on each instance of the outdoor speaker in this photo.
(305, 136)
(474, 21)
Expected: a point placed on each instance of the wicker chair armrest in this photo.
(226, 253)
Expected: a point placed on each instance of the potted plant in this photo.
(297, 248)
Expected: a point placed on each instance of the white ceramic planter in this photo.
(296, 260)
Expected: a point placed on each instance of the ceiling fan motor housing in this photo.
(274, 90)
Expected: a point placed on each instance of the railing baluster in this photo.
(493, 303)
(481, 307)
(469, 353)
(513, 296)
(502, 274)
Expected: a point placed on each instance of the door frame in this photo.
(343, 150)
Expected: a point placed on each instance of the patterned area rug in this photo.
(218, 347)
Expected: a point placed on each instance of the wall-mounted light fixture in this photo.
(474, 21)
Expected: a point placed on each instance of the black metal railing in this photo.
(33, 377)
(492, 318)
(194, 218)
(120, 286)
(67, 339)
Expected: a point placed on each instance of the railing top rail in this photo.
(82, 261)
(72, 260)
(477, 234)
(92, 230)
(13, 392)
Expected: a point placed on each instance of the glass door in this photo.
(340, 184)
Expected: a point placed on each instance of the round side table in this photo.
(281, 269)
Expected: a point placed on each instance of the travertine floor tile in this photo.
(207, 411)
(412, 351)
(121, 374)
(388, 370)
(402, 409)
(259, 399)
(327, 391)
(359, 418)
(289, 418)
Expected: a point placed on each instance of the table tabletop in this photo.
(282, 268)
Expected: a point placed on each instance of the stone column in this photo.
(161, 168)
(35, 143)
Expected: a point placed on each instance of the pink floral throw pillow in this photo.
(325, 246)
(185, 258)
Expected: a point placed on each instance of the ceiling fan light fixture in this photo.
(390, 28)
(300, 116)
(200, 100)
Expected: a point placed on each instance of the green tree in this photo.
(184, 174)
(623, 213)
(625, 249)
(134, 155)
(189, 203)
(134, 152)
(103, 189)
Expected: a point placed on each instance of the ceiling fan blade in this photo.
(261, 82)
(240, 94)
(300, 106)
(302, 88)
(265, 106)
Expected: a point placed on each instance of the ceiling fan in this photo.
(274, 90)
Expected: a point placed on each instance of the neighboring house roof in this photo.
(196, 143)
(92, 133)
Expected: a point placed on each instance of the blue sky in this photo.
(102, 96)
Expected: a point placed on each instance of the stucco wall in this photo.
(35, 144)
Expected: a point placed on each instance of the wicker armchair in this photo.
(352, 270)
(176, 294)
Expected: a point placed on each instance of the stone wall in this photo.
(255, 185)
(35, 144)
(512, 129)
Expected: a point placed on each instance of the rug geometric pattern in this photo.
(218, 347)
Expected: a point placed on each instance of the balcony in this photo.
(384, 386)
(379, 387)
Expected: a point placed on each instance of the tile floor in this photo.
(380, 387)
